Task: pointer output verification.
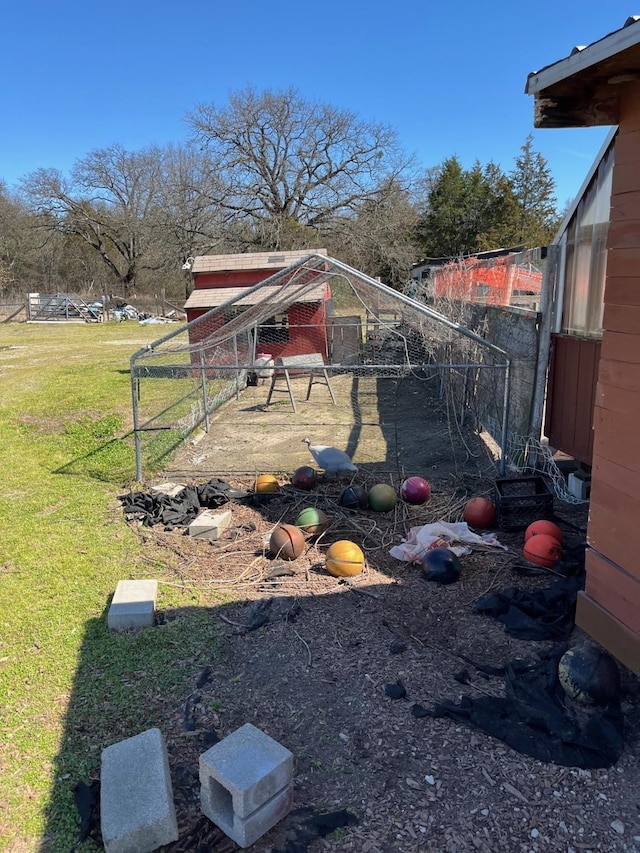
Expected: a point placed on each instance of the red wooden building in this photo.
(296, 329)
(600, 85)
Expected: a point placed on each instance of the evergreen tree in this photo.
(534, 189)
(501, 214)
(443, 229)
(468, 211)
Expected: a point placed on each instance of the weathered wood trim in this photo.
(584, 111)
(610, 45)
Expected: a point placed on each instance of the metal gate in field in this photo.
(318, 321)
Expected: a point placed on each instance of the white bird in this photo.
(330, 459)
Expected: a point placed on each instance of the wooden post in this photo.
(547, 294)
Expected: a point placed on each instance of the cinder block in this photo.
(247, 784)
(579, 486)
(137, 813)
(210, 524)
(133, 605)
(170, 489)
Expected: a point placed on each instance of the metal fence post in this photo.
(205, 400)
(136, 425)
(235, 354)
(504, 438)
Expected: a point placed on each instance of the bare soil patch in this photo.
(307, 658)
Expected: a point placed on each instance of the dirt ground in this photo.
(308, 658)
(397, 426)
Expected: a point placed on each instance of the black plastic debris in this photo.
(535, 717)
(463, 677)
(189, 715)
(257, 614)
(87, 800)
(205, 677)
(179, 510)
(303, 826)
(542, 614)
(396, 691)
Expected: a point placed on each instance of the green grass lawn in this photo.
(68, 687)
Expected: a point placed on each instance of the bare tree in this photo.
(285, 163)
(379, 239)
(26, 253)
(108, 202)
(188, 220)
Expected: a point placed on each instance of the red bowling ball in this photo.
(415, 490)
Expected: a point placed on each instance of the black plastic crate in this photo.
(521, 500)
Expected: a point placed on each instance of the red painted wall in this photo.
(306, 331)
(236, 278)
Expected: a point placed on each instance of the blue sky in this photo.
(448, 78)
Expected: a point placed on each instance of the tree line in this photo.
(265, 171)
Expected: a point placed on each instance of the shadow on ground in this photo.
(398, 426)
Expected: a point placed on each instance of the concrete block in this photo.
(246, 831)
(247, 784)
(170, 489)
(579, 485)
(209, 524)
(133, 605)
(137, 813)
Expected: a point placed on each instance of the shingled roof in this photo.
(251, 261)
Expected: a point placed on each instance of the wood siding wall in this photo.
(571, 395)
(609, 608)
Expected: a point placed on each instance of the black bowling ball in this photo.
(441, 566)
(353, 497)
(589, 675)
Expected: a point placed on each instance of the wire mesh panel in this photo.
(321, 308)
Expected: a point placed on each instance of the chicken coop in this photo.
(228, 281)
(256, 355)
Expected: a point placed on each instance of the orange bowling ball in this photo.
(543, 526)
(266, 484)
(344, 559)
(479, 512)
(543, 550)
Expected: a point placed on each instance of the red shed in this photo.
(297, 330)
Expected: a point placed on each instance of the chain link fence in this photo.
(316, 307)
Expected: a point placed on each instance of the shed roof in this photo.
(212, 297)
(582, 90)
(251, 261)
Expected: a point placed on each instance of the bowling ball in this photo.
(266, 484)
(589, 675)
(286, 542)
(441, 566)
(479, 512)
(415, 490)
(305, 478)
(382, 497)
(353, 497)
(312, 521)
(344, 559)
